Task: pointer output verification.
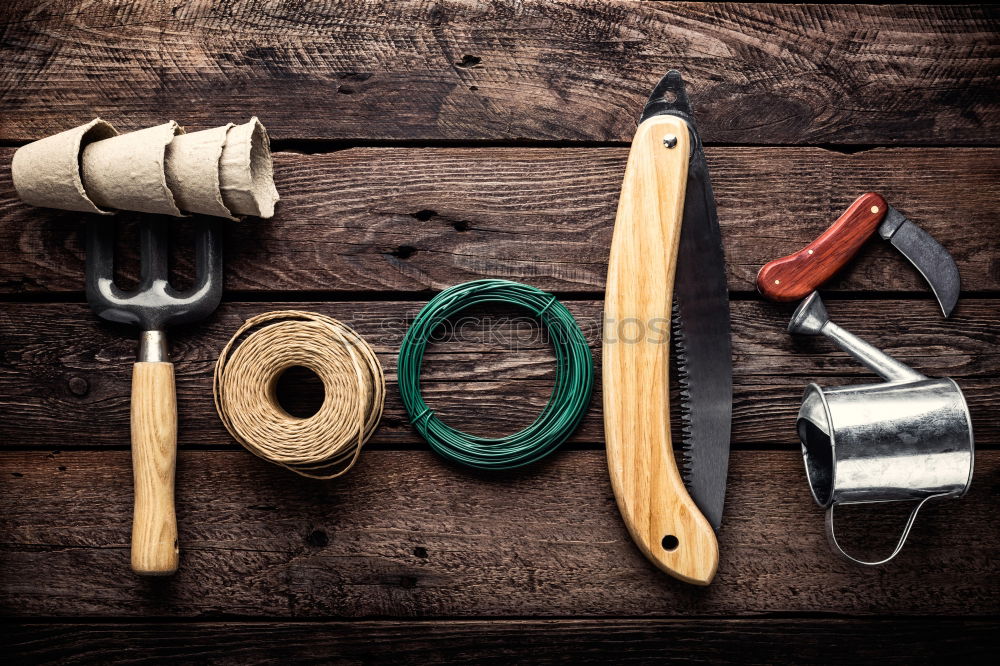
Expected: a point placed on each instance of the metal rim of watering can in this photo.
(972, 438)
(818, 390)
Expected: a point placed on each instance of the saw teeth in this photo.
(683, 382)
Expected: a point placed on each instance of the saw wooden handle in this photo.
(154, 455)
(794, 277)
(660, 515)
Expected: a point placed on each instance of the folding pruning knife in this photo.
(794, 277)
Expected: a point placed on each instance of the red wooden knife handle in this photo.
(794, 277)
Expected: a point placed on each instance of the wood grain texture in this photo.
(407, 535)
(757, 73)
(794, 277)
(835, 642)
(154, 455)
(60, 367)
(379, 219)
(663, 520)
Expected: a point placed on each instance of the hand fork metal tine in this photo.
(153, 250)
(208, 263)
(100, 271)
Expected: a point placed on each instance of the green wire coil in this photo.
(567, 403)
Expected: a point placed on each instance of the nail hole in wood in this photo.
(78, 386)
(404, 252)
(317, 538)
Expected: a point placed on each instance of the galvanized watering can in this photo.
(909, 438)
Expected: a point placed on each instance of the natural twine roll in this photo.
(326, 444)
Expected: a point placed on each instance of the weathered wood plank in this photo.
(371, 220)
(61, 366)
(905, 642)
(407, 535)
(759, 73)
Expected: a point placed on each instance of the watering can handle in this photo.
(899, 546)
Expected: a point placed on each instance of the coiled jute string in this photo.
(326, 444)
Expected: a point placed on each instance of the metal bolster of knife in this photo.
(891, 223)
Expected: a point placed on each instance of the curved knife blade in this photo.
(926, 254)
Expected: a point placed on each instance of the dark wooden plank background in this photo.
(763, 74)
(409, 219)
(422, 144)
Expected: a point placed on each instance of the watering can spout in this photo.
(810, 318)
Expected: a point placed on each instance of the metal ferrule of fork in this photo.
(153, 347)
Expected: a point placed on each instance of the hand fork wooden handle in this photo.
(154, 454)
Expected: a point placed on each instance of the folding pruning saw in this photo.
(667, 246)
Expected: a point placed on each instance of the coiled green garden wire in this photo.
(567, 404)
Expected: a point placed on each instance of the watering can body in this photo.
(908, 438)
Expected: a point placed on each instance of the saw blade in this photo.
(702, 344)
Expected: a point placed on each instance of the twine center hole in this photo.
(299, 391)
